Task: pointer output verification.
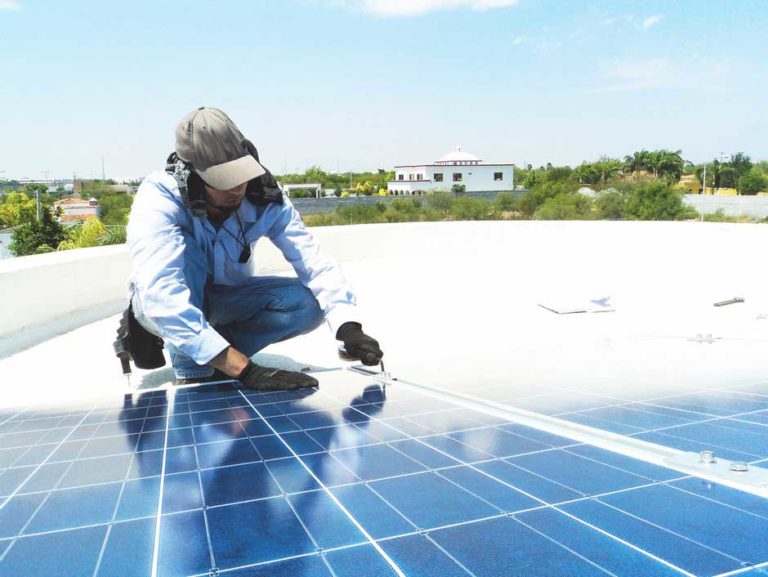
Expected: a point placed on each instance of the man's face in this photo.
(226, 199)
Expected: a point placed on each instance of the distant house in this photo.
(74, 210)
(456, 167)
(689, 184)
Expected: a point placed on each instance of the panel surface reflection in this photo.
(323, 482)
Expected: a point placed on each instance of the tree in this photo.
(727, 176)
(558, 173)
(741, 163)
(458, 189)
(93, 232)
(666, 164)
(601, 171)
(638, 161)
(534, 198)
(655, 201)
(753, 182)
(35, 237)
(587, 173)
(115, 208)
(532, 178)
(84, 235)
(607, 168)
(17, 208)
(96, 188)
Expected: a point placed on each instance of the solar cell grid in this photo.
(251, 482)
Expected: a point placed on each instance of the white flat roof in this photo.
(457, 302)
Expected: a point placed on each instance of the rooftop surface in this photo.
(507, 439)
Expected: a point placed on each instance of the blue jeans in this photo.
(250, 316)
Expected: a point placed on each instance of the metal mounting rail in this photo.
(748, 478)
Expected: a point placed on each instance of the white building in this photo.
(456, 167)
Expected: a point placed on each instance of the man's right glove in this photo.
(358, 344)
(263, 379)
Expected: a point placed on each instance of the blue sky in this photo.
(362, 84)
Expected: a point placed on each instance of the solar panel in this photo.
(361, 479)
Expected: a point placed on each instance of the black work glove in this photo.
(263, 379)
(358, 344)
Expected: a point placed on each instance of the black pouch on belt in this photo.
(136, 343)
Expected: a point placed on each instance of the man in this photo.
(192, 280)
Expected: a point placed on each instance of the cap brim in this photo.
(233, 173)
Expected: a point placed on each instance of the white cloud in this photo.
(394, 8)
(9, 5)
(627, 76)
(651, 20)
(517, 40)
(690, 72)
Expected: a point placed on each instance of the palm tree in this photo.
(667, 164)
(637, 161)
(608, 168)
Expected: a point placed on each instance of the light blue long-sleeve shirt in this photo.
(156, 235)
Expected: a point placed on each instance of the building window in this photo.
(419, 176)
(410, 176)
(400, 176)
(456, 177)
(498, 176)
(438, 177)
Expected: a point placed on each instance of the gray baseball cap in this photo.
(209, 141)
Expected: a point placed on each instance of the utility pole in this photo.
(103, 173)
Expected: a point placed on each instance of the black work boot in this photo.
(216, 377)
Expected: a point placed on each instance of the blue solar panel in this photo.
(355, 479)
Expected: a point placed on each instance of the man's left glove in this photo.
(358, 344)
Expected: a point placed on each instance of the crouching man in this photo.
(192, 284)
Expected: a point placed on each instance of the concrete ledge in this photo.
(45, 295)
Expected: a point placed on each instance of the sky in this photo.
(366, 84)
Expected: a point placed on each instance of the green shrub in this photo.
(29, 237)
(753, 182)
(533, 199)
(408, 205)
(506, 201)
(441, 201)
(565, 207)
(656, 201)
(610, 206)
(114, 235)
(359, 213)
(323, 219)
(467, 208)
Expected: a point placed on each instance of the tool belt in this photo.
(137, 344)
